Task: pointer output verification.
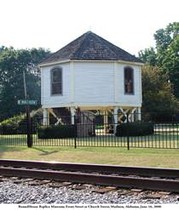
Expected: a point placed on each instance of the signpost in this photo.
(28, 103)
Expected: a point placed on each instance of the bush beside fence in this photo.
(56, 132)
(135, 129)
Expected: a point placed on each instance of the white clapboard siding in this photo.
(49, 100)
(127, 99)
(94, 83)
(91, 83)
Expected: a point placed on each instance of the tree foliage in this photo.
(148, 56)
(12, 65)
(157, 91)
(166, 53)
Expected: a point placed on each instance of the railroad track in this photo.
(107, 175)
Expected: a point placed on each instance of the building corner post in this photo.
(45, 117)
(72, 110)
(115, 118)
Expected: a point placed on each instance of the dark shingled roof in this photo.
(90, 46)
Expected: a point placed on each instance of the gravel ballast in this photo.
(24, 193)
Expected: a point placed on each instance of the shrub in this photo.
(135, 129)
(13, 125)
(56, 132)
(18, 124)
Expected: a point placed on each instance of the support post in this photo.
(139, 113)
(45, 117)
(133, 116)
(105, 116)
(115, 118)
(72, 110)
(74, 123)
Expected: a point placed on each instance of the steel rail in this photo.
(110, 180)
(123, 170)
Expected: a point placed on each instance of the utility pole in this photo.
(29, 136)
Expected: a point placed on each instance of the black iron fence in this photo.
(151, 131)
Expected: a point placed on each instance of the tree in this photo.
(157, 92)
(12, 65)
(167, 45)
(166, 53)
(148, 56)
(164, 37)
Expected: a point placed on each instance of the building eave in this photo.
(54, 63)
(131, 62)
(91, 61)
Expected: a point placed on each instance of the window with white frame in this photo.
(56, 81)
(128, 80)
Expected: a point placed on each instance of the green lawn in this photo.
(144, 151)
(117, 156)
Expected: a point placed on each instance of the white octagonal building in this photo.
(91, 74)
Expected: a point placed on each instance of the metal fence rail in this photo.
(165, 135)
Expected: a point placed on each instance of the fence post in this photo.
(75, 128)
(128, 143)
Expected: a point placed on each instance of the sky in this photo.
(51, 24)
